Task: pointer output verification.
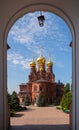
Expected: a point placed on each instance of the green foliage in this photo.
(9, 98)
(67, 88)
(58, 107)
(24, 108)
(12, 113)
(14, 101)
(55, 103)
(66, 111)
(26, 101)
(67, 97)
(40, 101)
(66, 100)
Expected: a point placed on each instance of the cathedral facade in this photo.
(41, 79)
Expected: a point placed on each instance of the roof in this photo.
(41, 80)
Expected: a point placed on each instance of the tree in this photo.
(67, 97)
(40, 101)
(9, 98)
(66, 100)
(26, 101)
(14, 101)
(67, 88)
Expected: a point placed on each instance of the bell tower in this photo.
(32, 76)
(50, 74)
(49, 65)
(33, 65)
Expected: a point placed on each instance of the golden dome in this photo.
(41, 69)
(33, 63)
(41, 59)
(49, 63)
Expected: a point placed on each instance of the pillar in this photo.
(3, 86)
(76, 87)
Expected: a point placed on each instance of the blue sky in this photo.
(25, 38)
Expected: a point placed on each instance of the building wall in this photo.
(51, 92)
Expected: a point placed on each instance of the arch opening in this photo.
(37, 7)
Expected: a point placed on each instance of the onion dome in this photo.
(41, 60)
(32, 63)
(49, 63)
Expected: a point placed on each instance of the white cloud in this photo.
(15, 61)
(18, 59)
(26, 31)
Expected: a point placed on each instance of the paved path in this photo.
(40, 118)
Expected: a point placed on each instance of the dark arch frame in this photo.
(57, 11)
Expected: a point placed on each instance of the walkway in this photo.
(40, 118)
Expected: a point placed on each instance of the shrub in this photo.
(67, 88)
(40, 101)
(12, 113)
(66, 100)
(14, 103)
(26, 101)
(59, 107)
(66, 111)
(24, 108)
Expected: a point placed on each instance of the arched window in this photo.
(35, 88)
(40, 88)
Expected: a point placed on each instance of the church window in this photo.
(41, 89)
(35, 88)
(24, 89)
(23, 100)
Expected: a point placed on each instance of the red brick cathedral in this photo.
(41, 79)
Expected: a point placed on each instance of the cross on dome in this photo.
(32, 62)
(33, 56)
(41, 50)
(49, 63)
(49, 56)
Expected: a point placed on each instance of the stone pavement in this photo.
(40, 118)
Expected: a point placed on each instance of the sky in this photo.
(25, 38)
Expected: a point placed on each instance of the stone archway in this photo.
(18, 12)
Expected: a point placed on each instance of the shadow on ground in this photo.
(18, 115)
(40, 127)
(30, 109)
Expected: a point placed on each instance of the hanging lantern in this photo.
(41, 19)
